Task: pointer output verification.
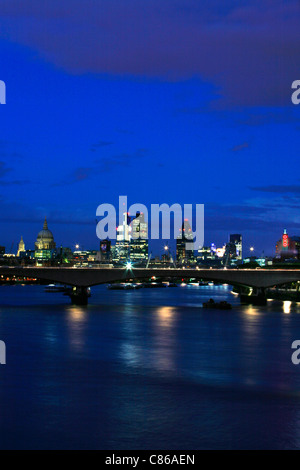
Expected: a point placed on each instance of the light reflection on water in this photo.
(76, 320)
(252, 311)
(147, 369)
(165, 317)
(287, 306)
(165, 341)
(156, 351)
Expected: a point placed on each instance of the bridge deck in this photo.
(87, 277)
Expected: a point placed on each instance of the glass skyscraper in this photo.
(139, 246)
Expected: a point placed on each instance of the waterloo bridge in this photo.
(82, 278)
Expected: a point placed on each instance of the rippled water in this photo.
(147, 369)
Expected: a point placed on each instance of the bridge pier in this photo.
(254, 296)
(79, 295)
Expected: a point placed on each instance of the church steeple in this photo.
(45, 224)
(21, 247)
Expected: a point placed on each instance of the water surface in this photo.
(147, 369)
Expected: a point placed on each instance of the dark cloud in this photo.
(279, 189)
(254, 219)
(7, 150)
(82, 173)
(3, 169)
(102, 165)
(100, 144)
(238, 210)
(260, 218)
(231, 224)
(78, 175)
(240, 147)
(124, 131)
(280, 116)
(14, 183)
(248, 49)
(124, 160)
(20, 213)
(252, 117)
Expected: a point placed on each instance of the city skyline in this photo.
(84, 123)
(174, 246)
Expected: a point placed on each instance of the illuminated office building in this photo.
(139, 246)
(205, 253)
(236, 240)
(122, 247)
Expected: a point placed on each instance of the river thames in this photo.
(147, 369)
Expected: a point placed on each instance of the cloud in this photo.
(123, 160)
(236, 218)
(252, 117)
(231, 224)
(82, 174)
(247, 209)
(124, 131)
(278, 116)
(17, 212)
(255, 219)
(100, 144)
(3, 169)
(78, 175)
(14, 183)
(102, 165)
(7, 150)
(243, 146)
(280, 189)
(248, 49)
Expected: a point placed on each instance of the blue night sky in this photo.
(164, 101)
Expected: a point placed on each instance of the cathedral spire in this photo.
(21, 247)
(45, 224)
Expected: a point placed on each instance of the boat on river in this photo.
(55, 288)
(124, 286)
(223, 305)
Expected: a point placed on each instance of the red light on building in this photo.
(285, 241)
